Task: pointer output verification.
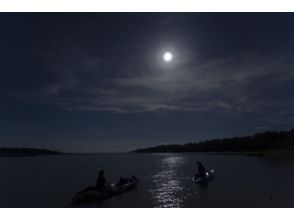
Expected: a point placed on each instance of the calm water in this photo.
(165, 180)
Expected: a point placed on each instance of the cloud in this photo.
(244, 84)
(263, 128)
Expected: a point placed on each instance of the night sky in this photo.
(97, 82)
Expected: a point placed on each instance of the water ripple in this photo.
(167, 185)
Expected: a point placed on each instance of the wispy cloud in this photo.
(261, 128)
(247, 83)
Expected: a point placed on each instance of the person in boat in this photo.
(201, 170)
(133, 178)
(100, 184)
(122, 181)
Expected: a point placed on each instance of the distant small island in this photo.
(20, 152)
(259, 143)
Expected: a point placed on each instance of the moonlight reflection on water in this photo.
(167, 185)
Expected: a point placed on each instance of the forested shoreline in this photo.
(267, 141)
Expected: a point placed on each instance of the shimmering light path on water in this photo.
(167, 185)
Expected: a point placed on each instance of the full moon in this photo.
(167, 57)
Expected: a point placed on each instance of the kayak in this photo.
(203, 180)
(111, 190)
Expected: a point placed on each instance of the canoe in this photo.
(110, 191)
(203, 180)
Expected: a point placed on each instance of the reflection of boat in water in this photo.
(111, 190)
(204, 179)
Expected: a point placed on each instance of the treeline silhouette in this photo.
(7, 151)
(271, 140)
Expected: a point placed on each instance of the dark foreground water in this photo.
(165, 180)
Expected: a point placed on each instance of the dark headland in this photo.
(20, 152)
(260, 143)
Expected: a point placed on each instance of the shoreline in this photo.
(269, 154)
(272, 153)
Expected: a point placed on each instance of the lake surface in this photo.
(165, 180)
